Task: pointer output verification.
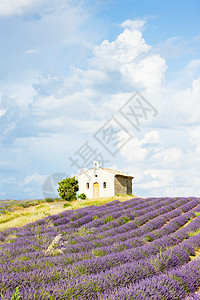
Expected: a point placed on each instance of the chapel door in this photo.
(95, 190)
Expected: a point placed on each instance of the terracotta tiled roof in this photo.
(116, 172)
(110, 171)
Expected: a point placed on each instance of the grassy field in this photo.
(16, 215)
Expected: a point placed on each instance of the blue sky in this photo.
(68, 67)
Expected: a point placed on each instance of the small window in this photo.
(87, 185)
(104, 185)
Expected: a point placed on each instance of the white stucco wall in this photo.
(102, 176)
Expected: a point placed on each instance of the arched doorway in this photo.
(95, 190)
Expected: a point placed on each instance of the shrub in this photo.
(24, 205)
(66, 205)
(82, 196)
(49, 199)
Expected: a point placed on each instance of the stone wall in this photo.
(123, 185)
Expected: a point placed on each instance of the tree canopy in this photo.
(67, 188)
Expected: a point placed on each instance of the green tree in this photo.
(67, 188)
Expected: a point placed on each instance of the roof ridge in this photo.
(116, 172)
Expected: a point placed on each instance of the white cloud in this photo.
(184, 105)
(52, 123)
(161, 168)
(127, 47)
(166, 182)
(62, 124)
(134, 24)
(32, 51)
(131, 56)
(182, 191)
(193, 67)
(22, 95)
(2, 112)
(17, 7)
(35, 177)
(4, 164)
(138, 149)
(8, 180)
(168, 155)
(67, 106)
(196, 180)
(194, 135)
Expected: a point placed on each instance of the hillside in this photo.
(135, 249)
(15, 213)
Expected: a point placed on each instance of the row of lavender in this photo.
(103, 251)
(50, 231)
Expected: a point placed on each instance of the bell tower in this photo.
(96, 168)
(96, 165)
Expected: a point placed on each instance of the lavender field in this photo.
(137, 249)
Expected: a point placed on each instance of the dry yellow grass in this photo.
(22, 216)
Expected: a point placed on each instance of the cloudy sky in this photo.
(112, 80)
